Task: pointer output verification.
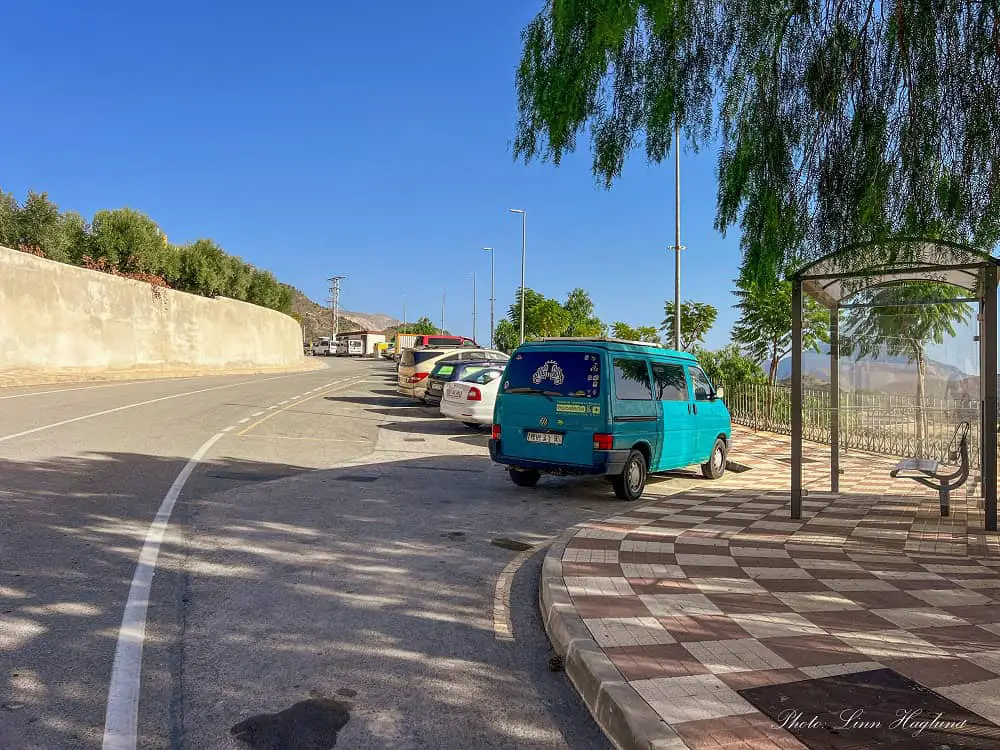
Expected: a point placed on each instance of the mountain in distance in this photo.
(317, 320)
(372, 321)
(886, 373)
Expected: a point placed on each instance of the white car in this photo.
(471, 401)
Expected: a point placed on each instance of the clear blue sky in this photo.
(364, 139)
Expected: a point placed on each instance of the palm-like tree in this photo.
(902, 321)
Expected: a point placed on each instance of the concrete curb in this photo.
(14, 379)
(621, 713)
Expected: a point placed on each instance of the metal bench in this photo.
(935, 474)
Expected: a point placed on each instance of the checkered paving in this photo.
(715, 589)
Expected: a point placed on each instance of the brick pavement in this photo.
(685, 600)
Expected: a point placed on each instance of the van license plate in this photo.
(550, 438)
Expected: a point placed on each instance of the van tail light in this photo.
(603, 442)
(474, 395)
(496, 432)
(417, 377)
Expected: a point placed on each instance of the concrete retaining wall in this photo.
(60, 319)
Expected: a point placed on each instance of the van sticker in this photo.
(571, 408)
(549, 371)
(595, 409)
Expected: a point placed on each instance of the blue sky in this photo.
(365, 139)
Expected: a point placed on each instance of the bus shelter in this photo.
(849, 278)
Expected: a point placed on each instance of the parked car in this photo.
(607, 407)
(470, 400)
(451, 369)
(432, 341)
(324, 347)
(415, 366)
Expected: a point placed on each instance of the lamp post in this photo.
(492, 296)
(524, 242)
(677, 237)
(474, 310)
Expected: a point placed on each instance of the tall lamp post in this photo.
(492, 296)
(475, 290)
(677, 237)
(524, 242)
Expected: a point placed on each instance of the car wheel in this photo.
(524, 478)
(715, 466)
(629, 485)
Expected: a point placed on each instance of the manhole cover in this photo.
(356, 478)
(414, 440)
(876, 709)
(512, 544)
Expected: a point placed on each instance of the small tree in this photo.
(647, 334)
(127, 240)
(728, 366)
(582, 320)
(506, 337)
(900, 322)
(423, 327)
(764, 328)
(697, 319)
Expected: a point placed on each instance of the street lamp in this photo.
(492, 296)
(524, 242)
(474, 295)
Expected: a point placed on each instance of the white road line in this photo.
(94, 387)
(33, 430)
(122, 715)
(258, 413)
(244, 420)
(121, 719)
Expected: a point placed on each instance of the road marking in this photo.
(244, 420)
(276, 411)
(122, 716)
(258, 413)
(502, 629)
(126, 407)
(93, 387)
(299, 437)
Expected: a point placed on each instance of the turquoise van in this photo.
(607, 407)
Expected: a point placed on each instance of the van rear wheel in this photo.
(630, 484)
(524, 478)
(715, 466)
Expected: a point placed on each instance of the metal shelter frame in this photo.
(861, 267)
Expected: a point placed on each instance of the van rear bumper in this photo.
(604, 463)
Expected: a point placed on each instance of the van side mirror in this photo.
(720, 392)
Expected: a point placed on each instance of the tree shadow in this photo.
(286, 577)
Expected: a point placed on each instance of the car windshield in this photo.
(553, 373)
(444, 369)
(482, 377)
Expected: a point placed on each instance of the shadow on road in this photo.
(377, 578)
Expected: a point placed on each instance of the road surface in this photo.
(332, 554)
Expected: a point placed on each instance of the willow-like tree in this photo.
(839, 121)
(904, 321)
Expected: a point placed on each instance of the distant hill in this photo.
(317, 320)
(887, 374)
(372, 321)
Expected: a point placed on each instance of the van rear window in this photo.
(575, 374)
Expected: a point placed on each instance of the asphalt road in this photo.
(330, 557)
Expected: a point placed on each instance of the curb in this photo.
(621, 713)
(54, 377)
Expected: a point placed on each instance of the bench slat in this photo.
(917, 464)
